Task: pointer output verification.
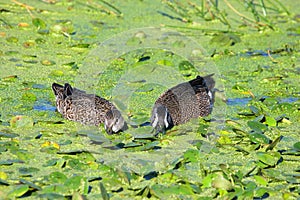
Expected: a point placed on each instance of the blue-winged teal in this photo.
(179, 104)
(90, 109)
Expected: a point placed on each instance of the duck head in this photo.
(114, 122)
(161, 119)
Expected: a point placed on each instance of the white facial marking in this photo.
(210, 94)
(154, 124)
(166, 119)
(115, 129)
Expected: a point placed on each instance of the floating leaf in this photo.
(29, 44)
(12, 39)
(270, 121)
(164, 63)
(28, 170)
(47, 62)
(261, 180)
(268, 158)
(104, 194)
(18, 191)
(257, 126)
(28, 96)
(274, 143)
(80, 45)
(8, 135)
(57, 73)
(77, 183)
(32, 185)
(254, 109)
(148, 146)
(39, 23)
(163, 192)
(51, 195)
(191, 155)
(220, 182)
(3, 175)
(259, 138)
(207, 181)
(226, 39)
(10, 162)
(297, 146)
(57, 177)
(65, 27)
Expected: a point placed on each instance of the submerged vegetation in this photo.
(248, 148)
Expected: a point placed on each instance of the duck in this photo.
(183, 102)
(88, 109)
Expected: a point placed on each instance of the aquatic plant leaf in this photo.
(55, 189)
(148, 146)
(192, 155)
(268, 158)
(104, 194)
(31, 184)
(297, 146)
(3, 182)
(29, 96)
(47, 62)
(10, 162)
(77, 183)
(165, 63)
(270, 121)
(57, 177)
(220, 182)
(207, 180)
(18, 191)
(163, 192)
(227, 39)
(8, 135)
(28, 170)
(257, 126)
(259, 138)
(274, 143)
(39, 23)
(261, 180)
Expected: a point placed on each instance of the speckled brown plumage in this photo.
(77, 105)
(187, 100)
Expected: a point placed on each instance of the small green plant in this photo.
(250, 13)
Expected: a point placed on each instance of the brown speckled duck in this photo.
(182, 102)
(90, 109)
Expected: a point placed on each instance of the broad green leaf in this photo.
(18, 191)
(257, 126)
(57, 177)
(261, 180)
(268, 158)
(297, 146)
(77, 183)
(192, 155)
(164, 192)
(259, 138)
(165, 63)
(207, 181)
(29, 96)
(270, 121)
(220, 182)
(28, 170)
(39, 23)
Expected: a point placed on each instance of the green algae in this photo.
(240, 151)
